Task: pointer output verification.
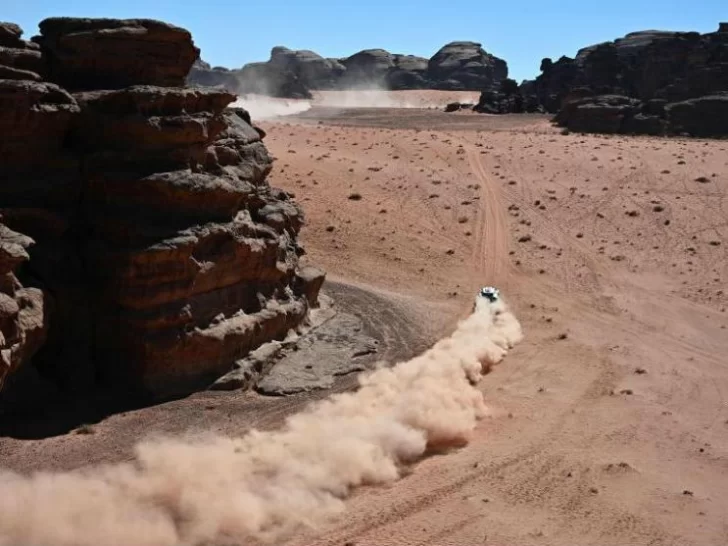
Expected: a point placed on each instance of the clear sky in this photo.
(231, 33)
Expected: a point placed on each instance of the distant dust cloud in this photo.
(263, 107)
(264, 485)
(369, 97)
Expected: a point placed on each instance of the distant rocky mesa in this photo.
(648, 82)
(140, 244)
(294, 74)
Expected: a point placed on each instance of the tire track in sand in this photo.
(490, 252)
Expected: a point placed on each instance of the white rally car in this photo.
(490, 292)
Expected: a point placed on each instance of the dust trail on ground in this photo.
(267, 484)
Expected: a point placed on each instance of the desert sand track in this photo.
(609, 421)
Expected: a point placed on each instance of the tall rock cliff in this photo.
(646, 82)
(143, 246)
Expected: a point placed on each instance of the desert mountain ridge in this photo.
(646, 82)
(291, 73)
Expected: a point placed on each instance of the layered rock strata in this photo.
(145, 248)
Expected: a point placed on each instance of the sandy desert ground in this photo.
(609, 421)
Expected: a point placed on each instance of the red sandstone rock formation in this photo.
(140, 215)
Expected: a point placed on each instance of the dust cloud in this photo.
(261, 107)
(372, 97)
(266, 484)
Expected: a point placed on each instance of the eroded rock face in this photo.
(23, 318)
(466, 66)
(208, 76)
(409, 72)
(506, 98)
(656, 68)
(311, 69)
(368, 68)
(603, 113)
(188, 253)
(144, 247)
(703, 116)
(83, 54)
(269, 79)
(19, 60)
(40, 187)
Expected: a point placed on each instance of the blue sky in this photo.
(232, 33)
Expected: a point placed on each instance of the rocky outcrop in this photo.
(19, 60)
(312, 70)
(408, 72)
(704, 116)
(218, 76)
(367, 68)
(602, 114)
(655, 68)
(293, 74)
(507, 98)
(193, 257)
(465, 66)
(84, 54)
(268, 79)
(143, 246)
(23, 314)
(288, 73)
